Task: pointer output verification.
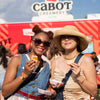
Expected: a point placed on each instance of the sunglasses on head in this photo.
(38, 42)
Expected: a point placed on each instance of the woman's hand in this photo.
(1, 97)
(75, 69)
(58, 85)
(29, 67)
(53, 93)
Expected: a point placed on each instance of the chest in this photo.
(64, 65)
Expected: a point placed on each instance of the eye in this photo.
(63, 37)
(46, 44)
(37, 41)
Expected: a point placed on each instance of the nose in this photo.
(42, 44)
(67, 38)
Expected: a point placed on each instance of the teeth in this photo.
(40, 49)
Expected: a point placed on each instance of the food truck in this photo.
(11, 34)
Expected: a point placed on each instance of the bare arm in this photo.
(53, 65)
(11, 83)
(89, 84)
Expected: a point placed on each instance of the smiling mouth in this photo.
(40, 49)
(67, 43)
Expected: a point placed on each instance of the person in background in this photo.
(22, 81)
(81, 84)
(21, 48)
(93, 55)
(28, 50)
(3, 66)
(9, 54)
(94, 58)
(52, 53)
(98, 56)
(3, 59)
(98, 67)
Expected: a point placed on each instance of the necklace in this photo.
(70, 58)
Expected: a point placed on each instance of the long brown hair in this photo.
(3, 60)
(53, 51)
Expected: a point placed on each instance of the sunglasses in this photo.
(38, 42)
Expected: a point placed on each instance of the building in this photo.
(63, 17)
(93, 16)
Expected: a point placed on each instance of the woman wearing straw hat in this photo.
(81, 83)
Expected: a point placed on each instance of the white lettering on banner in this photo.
(28, 32)
(52, 6)
(51, 29)
(46, 13)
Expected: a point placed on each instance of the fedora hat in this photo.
(71, 31)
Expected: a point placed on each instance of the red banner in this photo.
(98, 79)
(13, 33)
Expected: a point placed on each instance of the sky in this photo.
(20, 10)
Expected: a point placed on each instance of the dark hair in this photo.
(21, 48)
(93, 53)
(36, 29)
(53, 50)
(4, 60)
(78, 48)
(9, 52)
(78, 45)
(95, 59)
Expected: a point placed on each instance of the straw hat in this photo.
(71, 31)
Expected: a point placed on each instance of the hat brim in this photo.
(82, 38)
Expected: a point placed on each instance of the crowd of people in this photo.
(61, 71)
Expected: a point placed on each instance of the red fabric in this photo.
(98, 79)
(14, 32)
(38, 97)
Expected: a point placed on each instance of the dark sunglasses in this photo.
(38, 42)
(68, 37)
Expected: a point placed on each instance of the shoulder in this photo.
(55, 61)
(44, 58)
(15, 59)
(86, 63)
(13, 64)
(86, 59)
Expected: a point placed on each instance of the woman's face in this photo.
(69, 42)
(40, 43)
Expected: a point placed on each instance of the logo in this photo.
(51, 7)
(28, 32)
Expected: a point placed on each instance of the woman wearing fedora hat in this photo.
(74, 71)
